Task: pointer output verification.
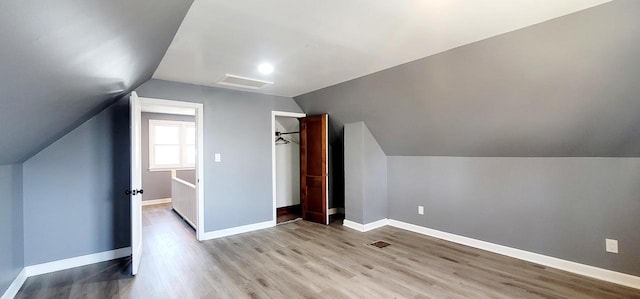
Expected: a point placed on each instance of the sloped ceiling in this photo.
(63, 61)
(566, 87)
(314, 44)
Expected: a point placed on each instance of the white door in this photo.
(136, 184)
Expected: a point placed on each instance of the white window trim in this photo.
(183, 125)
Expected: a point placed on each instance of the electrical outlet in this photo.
(421, 210)
(217, 158)
(611, 245)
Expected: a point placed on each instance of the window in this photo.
(172, 144)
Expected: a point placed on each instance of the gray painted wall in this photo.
(11, 224)
(561, 207)
(375, 178)
(353, 172)
(157, 184)
(74, 201)
(566, 87)
(64, 63)
(187, 175)
(365, 175)
(238, 126)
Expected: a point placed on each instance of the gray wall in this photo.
(157, 184)
(566, 87)
(74, 201)
(353, 172)
(238, 126)
(563, 88)
(187, 175)
(561, 207)
(365, 175)
(64, 63)
(11, 224)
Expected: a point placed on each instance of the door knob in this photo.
(134, 192)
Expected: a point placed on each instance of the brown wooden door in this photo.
(314, 168)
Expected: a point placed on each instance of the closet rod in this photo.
(285, 133)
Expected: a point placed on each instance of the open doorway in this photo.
(313, 164)
(287, 143)
(167, 164)
(285, 132)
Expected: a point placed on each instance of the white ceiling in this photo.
(315, 44)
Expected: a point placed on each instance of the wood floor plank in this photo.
(309, 260)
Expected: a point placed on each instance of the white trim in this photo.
(237, 230)
(273, 155)
(15, 286)
(77, 261)
(353, 225)
(326, 198)
(200, 170)
(156, 201)
(170, 169)
(365, 227)
(376, 224)
(199, 112)
(573, 267)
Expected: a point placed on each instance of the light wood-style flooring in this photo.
(307, 260)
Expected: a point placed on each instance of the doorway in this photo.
(285, 199)
(287, 148)
(310, 137)
(174, 142)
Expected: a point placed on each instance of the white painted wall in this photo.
(287, 169)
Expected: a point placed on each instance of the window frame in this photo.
(182, 146)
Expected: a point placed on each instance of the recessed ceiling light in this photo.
(265, 68)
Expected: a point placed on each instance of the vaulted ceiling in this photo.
(315, 44)
(566, 87)
(493, 83)
(63, 61)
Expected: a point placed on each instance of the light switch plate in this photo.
(421, 210)
(217, 158)
(611, 245)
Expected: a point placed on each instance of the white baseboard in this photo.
(365, 227)
(237, 230)
(76, 261)
(69, 263)
(573, 267)
(15, 286)
(156, 201)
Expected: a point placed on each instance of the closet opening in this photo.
(286, 142)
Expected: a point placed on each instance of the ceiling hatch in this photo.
(244, 82)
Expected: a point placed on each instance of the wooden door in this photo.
(314, 168)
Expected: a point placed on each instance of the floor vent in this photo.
(380, 244)
(243, 82)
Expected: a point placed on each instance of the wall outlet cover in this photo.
(611, 245)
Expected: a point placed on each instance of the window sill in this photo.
(170, 169)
